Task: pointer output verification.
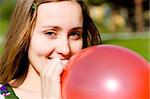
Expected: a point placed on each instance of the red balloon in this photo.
(106, 72)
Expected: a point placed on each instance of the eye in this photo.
(75, 35)
(51, 35)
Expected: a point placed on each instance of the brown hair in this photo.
(14, 62)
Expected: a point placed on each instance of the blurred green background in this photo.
(120, 22)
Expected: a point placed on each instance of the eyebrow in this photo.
(76, 28)
(59, 28)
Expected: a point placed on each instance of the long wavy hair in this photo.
(14, 61)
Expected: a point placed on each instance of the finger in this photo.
(65, 63)
(52, 69)
(58, 70)
(48, 75)
(54, 65)
(51, 65)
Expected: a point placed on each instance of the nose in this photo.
(63, 47)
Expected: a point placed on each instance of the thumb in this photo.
(65, 63)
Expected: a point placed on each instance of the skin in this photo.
(56, 37)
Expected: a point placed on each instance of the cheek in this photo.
(39, 48)
(76, 46)
(40, 45)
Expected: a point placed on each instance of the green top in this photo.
(6, 92)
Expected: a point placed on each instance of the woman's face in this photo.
(58, 33)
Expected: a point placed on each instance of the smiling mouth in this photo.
(60, 58)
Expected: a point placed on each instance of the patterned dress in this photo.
(6, 92)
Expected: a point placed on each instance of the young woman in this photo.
(42, 36)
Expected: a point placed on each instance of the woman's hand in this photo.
(50, 79)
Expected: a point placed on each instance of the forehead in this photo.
(65, 11)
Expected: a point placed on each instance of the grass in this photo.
(3, 26)
(1, 49)
(137, 44)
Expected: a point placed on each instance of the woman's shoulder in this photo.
(6, 92)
